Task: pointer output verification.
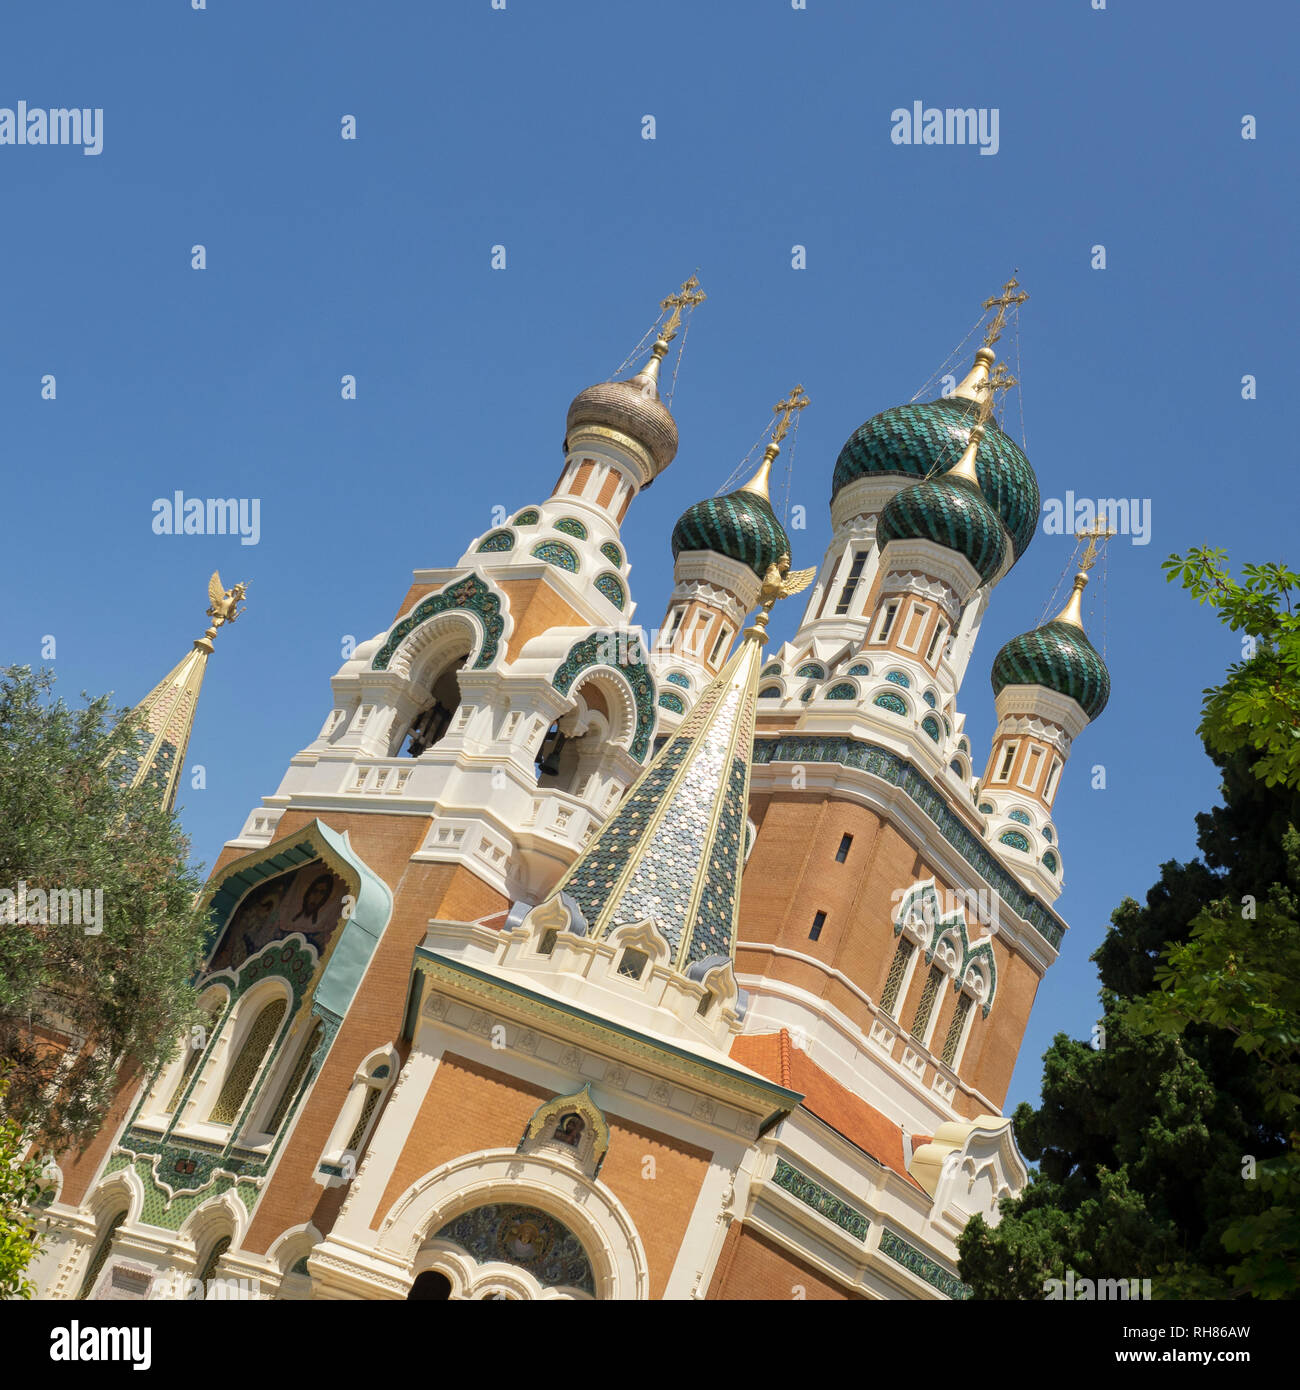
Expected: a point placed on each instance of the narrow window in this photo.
(1029, 777)
(940, 632)
(705, 1004)
(209, 1267)
(842, 853)
(546, 945)
(633, 963)
(1008, 757)
(358, 1135)
(886, 622)
(1051, 779)
(717, 646)
(697, 638)
(192, 1055)
(915, 626)
(925, 1005)
(294, 1082)
(100, 1255)
(819, 921)
(894, 980)
(955, 1029)
(239, 1079)
(674, 622)
(851, 583)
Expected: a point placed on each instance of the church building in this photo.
(569, 961)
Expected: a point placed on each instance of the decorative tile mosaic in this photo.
(812, 670)
(904, 1253)
(676, 678)
(672, 702)
(533, 1240)
(610, 587)
(530, 516)
(612, 553)
(470, 592)
(842, 691)
(593, 651)
(1050, 862)
(1019, 816)
(893, 703)
(812, 1194)
(1015, 839)
(498, 540)
(571, 526)
(899, 678)
(930, 698)
(861, 669)
(930, 725)
(558, 554)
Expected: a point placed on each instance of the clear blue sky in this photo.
(523, 127)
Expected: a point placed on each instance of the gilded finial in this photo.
(1012, 296)
(223, 607)
(1073, 610)
(779, 583)
(687, 297)
(786, 409)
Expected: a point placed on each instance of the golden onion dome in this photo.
(631, 408)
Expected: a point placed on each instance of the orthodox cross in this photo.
(687, 297)
(1012, 296)
(795, 401)
(1099, 531)
(1001, 380)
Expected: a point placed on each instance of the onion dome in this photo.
(951, 511)
(740, 525)
(1059, 656)
(913, 441)
(632, 408)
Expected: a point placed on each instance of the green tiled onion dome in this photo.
(1059, 656)
(742, 526)
(950, 512)
(909, 441)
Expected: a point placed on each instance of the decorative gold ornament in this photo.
(1012, 295)
(223, 604)
(687, 297)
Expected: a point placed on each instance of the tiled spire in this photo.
(169, 707)
(674, 850)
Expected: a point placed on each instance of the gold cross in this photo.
(687, 297)
(1001, 380)
(796, 400)
(1011, 295)
(1099, 531)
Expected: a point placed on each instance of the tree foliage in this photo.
(20, 1190)
(1171, 1151)
(81, 1012)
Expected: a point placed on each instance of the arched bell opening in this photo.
(430, 725)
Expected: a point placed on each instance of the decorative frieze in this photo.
(919, 1263)
(811, 1194)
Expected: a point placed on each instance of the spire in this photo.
(975, 385)
(674, 850)
(786, 409)
(168, 709)
(1073, 610)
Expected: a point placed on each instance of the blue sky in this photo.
(523, 128)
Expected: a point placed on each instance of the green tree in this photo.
(82, 1013)
(1146, 1145)
(20, 1191)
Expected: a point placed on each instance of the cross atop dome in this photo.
(687, 297)
(1012, 296)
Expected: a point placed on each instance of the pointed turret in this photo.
(1048, 684)
(169, 707)
(673, 852)
(722, 548)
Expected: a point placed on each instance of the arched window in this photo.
(432, 723)
(352, 1129)
(432, 1284)
(293, 1082)
(100, 1255)
(208, 1269)
(248, 1062)
(196, 1045)
(956, 1030)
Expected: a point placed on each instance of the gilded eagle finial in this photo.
(223, 604)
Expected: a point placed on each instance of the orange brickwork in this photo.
(753, 1267)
